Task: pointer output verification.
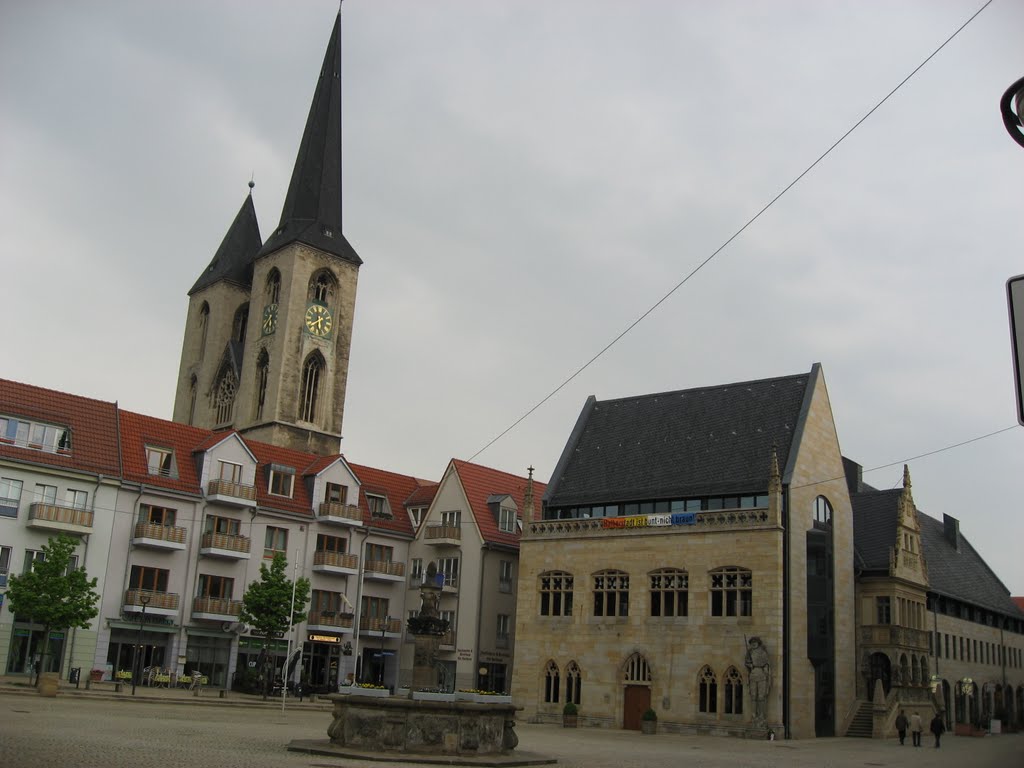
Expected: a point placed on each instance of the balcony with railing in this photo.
(442, 535)
(375, 626)
(891, 635)
(224, 545)
(157, 603)
(154, 536)
(232, 494)
(384, 570)
(329, 621)
(336, 513)
(337, 563)
(216, 608)
(54, 517)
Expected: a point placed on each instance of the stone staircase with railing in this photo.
(861, 724)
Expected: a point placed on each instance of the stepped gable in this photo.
(92, 425)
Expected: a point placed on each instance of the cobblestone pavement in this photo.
(72, 732)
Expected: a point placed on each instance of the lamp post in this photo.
(144, 598)
(383, 629)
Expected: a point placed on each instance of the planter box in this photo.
(649, 726)
(429, 696)
(570, 721)
(463, 696)
(480, 699)
(377, 693)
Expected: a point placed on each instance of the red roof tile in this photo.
(397, 488)
(479, 483)
(92, 423)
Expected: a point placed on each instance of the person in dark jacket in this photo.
(901, 725)
(937, 728)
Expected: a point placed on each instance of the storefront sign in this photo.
(650, 521)
(323, 638)
(465, 654)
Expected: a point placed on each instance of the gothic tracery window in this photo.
(552, 682)
(239, 324)
(204, 327)
(310, 393)
(669, 592)
(322, 287)
(273, 293)
(731, 592)
(556, 588)
(611, 593)
(733, 704)
(224, 394)
(708, 691)
(573, 683)
(262, 375)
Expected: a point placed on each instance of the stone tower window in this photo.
(224, 394)
(322, 287)
(552, 682)
(192, 391)
(273, 287)
(310, 393)
(708, 690)
(240, 323)
(204, 327)
(262, 374)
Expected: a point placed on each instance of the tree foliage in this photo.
(266, 604)
(51, 595)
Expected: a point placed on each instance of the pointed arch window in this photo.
(322, 287)
(240, 323)
(262, 375)
(636, 669)
(273, 292)
(552, 682)
(204, 327)
(193, 387)
(309, 397)
(708, 691)
(224, 394)
(573, 683)
(733, 704)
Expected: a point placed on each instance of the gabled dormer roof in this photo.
(483, 486)
(312, 208)
(394, 487)
(233, 260)
(693, 442)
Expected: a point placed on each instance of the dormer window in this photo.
(506, 519)
(281, 480)
(35, 435)
(336, 493)
(378, 506)
(160, 461)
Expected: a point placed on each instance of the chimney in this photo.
(951, 531)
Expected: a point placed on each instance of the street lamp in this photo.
(144, 598)
(383, 629)
(1011, 106)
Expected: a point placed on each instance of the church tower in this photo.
(269, 325)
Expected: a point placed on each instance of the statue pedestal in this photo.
(424, 675)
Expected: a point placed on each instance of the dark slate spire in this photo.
(312, 209)
(233, 260)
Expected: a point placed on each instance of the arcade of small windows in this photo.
(725, 697)
(661, 507)
(553, 683)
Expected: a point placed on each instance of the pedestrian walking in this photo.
(901, 725)
(915, 729)
(937, 728)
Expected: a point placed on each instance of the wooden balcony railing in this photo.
(227, 488)
(441, 531)
(170, 533)
(391, 626)
(337, 559)
(164, 600)
(220, 605)
(226, 541)
(54, 513)
(335, 510)
(330, 619)
(386, 567)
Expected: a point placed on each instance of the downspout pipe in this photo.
(786, 610)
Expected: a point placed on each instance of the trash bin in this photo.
(75, 675)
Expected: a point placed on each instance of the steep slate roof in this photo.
(312, 208)
(962, 574)
(233, 260)
(397, 488)
(480, 483)
(693, 442)
(93, 425)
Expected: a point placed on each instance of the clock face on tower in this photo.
(269, 319)
(318, 320)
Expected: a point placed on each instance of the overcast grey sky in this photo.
(522, 181)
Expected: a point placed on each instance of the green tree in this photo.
(52, 595)
(267, 607)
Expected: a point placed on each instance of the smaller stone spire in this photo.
(774, 476)
(528, 498)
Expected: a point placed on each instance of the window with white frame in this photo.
(501, 637)
(160, 461)
(506, 519)
(10, 496)
(451, 519)
(5, 564)
(505, 576)
(378, 506)
(76, 499)
(275, 540)
(230, 472)
(416, 516)
(46, 494)
(416, 570)
(32, 556)
(449, 566)
(448, 616)
(35, 435)
(281, 481)
(336, 493)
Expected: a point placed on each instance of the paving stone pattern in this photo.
(81, 731)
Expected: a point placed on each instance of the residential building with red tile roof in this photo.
(471, 531)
